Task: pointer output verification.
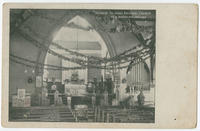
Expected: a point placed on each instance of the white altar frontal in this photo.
(75, 90)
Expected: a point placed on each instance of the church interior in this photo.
(82, 65)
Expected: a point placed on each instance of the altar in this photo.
(77, 93)
(75, 90)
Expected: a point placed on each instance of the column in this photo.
(69, 102)
(134, 69)
(139, 73)
(131, 76)
(136, 66)
(86, 73)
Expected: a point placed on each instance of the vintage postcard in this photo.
(99, 65)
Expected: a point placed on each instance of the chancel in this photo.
(82, 65)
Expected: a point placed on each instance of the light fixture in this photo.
(33, 71)
(25, 71)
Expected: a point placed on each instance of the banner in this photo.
(38, 81)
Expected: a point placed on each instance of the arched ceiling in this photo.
(78, 34)
(44, 24)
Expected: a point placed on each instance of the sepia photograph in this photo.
(78, 65)
(106, 65)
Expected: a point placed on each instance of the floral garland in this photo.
(95, 61)
(44, 66)
(29, 63)
(80, 61)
